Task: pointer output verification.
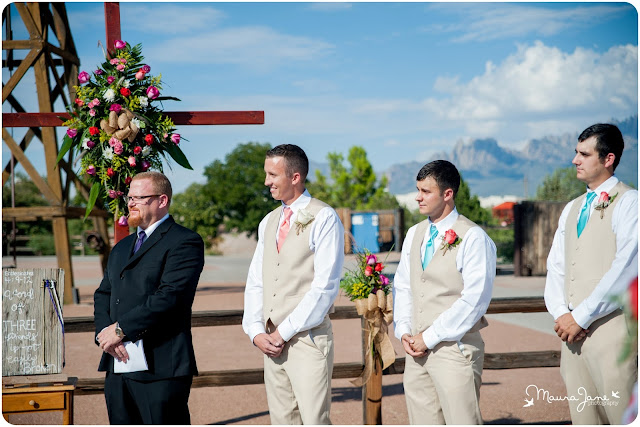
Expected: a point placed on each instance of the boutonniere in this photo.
(450, 240)
(303, 219)
(604, 201)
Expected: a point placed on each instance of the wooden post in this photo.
(372, 389)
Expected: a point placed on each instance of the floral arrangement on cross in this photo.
(371, 292)
(117, 127)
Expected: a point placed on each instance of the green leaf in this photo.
(68, 142)
(93, 196)
(164, 98)
(178, 155)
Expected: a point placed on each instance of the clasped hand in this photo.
(414, 345)
(270, 344)
(568, 330)
(110, 343)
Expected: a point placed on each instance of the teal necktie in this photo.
(584, 213)
(428, 252)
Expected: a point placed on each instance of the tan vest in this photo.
(589, 257)
(286, 276)
(435, 289)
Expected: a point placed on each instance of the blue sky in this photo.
(403, 80)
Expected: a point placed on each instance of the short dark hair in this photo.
(444, 173)
(295, 159)
(608, 140)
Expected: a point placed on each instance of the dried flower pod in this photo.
(113, 119)
(123, 121)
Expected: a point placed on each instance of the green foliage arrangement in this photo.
(366, 278)
(561, 186)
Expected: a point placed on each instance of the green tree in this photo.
(354, 186)
(561, 186)
(195, 210)
(469, 205)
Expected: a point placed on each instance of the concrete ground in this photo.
(227, 347)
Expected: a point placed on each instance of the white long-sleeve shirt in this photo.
(624, 223)
(476, 261)
(326, 240)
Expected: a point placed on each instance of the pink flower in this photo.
(145, 165)
(98, 72)
(92, 112)
(371, 259)
(368, 271)
(91, 170)
(79, 102)
(83, 77)
(113, 141)
(123, 61)
(450, 237)
(118, 148)
(120, 67)
(123, 221)
(145, 68)
(90, 144)
(140, 75)
(175, 138)
(115, 107)
(114, 61)
(604, 197)
(384, 279)
(152, 92)
(119, 44)
(111, 79)
(71, 132)
(113, 194)
(132, 161)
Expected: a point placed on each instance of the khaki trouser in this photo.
(592, 373)
(443, 387)
(298, 382)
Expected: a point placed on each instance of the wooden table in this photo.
(44, 397)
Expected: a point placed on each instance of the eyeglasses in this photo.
(137, 199)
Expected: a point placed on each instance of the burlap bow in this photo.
(377, 310)
(120, 126)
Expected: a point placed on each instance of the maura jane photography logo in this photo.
(535, 393)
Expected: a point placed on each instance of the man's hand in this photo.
(268, 344)
(409, 342)
(568, 330)
(111, 343)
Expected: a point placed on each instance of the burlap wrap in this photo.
(377, 310)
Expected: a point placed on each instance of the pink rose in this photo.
(94, 103)
(118, 148)
(145, 68)
(114, 61)
(371, 259)
(450, 237)
(152, 92)
(384, 279)
(123, 61)
(140, 75)
(604, 197)
(83, 77)
(123, 221)
(175, 138)
(91, 170)
(92, 112)
(145, 165)
(120, 67)
(113, 194)
(113, 141)
(111, 79)
(119, 44)
(368, 271)
(71, 132)
(115, 107)
(132, 161)
(98, 72)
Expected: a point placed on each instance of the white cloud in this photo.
(488, 21)
(170, 18)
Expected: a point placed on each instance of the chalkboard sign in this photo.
(32, 322)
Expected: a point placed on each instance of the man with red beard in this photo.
(144, 304)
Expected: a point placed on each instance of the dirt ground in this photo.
(227, 347)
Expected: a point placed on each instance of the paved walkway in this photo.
(221, 348)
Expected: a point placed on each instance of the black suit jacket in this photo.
(150, 293)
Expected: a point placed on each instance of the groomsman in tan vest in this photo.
(293, 281)
(593, 258)
(442, 289)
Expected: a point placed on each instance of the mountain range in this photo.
(491, 169)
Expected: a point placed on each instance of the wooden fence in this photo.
(372, 391)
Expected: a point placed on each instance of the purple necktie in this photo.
(141, 238)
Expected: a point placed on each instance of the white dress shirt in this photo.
(476, 261)
(624, 223)
(150, 229)
(326, 240)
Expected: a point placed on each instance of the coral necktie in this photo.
(428, 252)
(284, 228)
(584, 213)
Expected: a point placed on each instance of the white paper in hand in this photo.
(137, 361)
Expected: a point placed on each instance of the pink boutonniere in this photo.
(603, 202)
(450, 240)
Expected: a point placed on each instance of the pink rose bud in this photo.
(120, 67)
(72, 132)
(604, 197)
(115, 107)
(91, 170)
(145, 68)
(152, 92)
(114, 61)
(113, 194)
(119, 44)
(111, 79)
(98, 72)
(83, 77)
(123, 221)
(132, 161)
(175, 138)
(92, 112)
(145, 165)
(450, 237)
(368, 271)
(384, 279)
(118, 148)
(140, 75)
(371, 259)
